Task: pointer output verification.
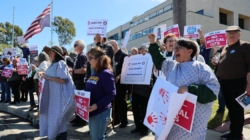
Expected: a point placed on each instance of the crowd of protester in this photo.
(184, 62)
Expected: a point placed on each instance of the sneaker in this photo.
(74, 121)
(135, 130)
(123, 125)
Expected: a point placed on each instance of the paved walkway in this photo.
(81, 133)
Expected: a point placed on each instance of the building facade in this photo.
(210, 14)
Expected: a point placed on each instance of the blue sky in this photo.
(117, 12)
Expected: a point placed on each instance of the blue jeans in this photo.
(221, 101)
(31, 94)
(98, 123)
(5, 91)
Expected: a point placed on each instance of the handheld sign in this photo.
(191, 30)
(163, 106)
(159, 32)
(97, 27)
(41, 82)
(21, 40)
(137, 69)
(22, 68)
(7, 72)
(82, 99)
(174, 29)
(215, 38)
(126, 38)
(244, 101)
(11, 50)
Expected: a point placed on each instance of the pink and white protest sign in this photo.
(174, 29)
(82, 99)
(215, 38)
(163, 106)
(191, 30)
(7, 72)
(185, 117)
(22, 68)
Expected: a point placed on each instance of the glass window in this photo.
(139, 34)
(133, 36)
(151, 29)
(241, 23)
(153, 15)
(115, 36)
(141, 20)
(136, 23)
(131, 24)
(167, 8)
(201, 12)
(145, 32)
(159, 11)
(223, 18)
(124, 33)
(146, 18)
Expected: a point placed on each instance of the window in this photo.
(151, 30)
(201, 12)
(132, 24)
(223, 18)
(159, 11)
(146, 32)
(133, 36)
(153, 15)
(167, 8)
(139, 34)
(115, 36)
(136, 23)
(124, 33)
(146, 18)
(241, 23)
(141, 20)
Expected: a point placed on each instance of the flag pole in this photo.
(51, 19)
(13, 27)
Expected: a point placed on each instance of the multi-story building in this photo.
(210, 14)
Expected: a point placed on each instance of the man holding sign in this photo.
(190, 76)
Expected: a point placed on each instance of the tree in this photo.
(4, 46)
(179, 13)
(51, 43)
(65, 30)
(7, 35)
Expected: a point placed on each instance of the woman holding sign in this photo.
(57, 104)
(101, 86)
(190, 76)
(5, 97)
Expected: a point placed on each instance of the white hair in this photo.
(81, 43)
(115, 42)
(198, 47)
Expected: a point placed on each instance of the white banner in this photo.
(159, 32)
(126, 38)
(21, 40)
(137, 69)
(97, 27)
(163, 106)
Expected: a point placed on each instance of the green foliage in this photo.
(65, 30)
(6, 33)
(4, 46)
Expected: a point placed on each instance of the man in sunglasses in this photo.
(78, 75)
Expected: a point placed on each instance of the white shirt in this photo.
(42, 68)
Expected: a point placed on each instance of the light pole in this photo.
(13, 27)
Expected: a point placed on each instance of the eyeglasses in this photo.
(177, 48)
(75, 45)
(90, 58)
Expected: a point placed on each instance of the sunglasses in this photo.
(75, 45)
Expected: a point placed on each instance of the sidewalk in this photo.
(81, 133)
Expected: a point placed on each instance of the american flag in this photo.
(38, 24)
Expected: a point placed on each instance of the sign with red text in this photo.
(163, 106)
(82, 99)
(97, 27)
(191, 31)
(7, 72)
(33, 52)
(185, 117)
(22, 68)
(174, 29)
(215, 38)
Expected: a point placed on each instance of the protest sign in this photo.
(137, 69)
(7, 72)
(11, 50)
(159, 32)
(21, 40)
(33, 52)
(126, 38)
(174, 29)
(97, 27)
(185, 117)
(41, 82)
(215, 38)
(82, 99)
(191, 30)
(163, 106)
(244, 101)
(22, 68)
